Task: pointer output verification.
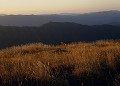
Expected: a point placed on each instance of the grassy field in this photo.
(74, 64)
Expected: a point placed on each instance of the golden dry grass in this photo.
(82, 63)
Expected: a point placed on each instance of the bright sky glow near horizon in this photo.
(56, 6)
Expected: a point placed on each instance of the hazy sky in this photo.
(56, 6)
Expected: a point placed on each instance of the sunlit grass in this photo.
(40, 64)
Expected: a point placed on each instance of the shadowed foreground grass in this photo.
(75, 64)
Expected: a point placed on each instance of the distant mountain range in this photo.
(95, 18)
(56, 32)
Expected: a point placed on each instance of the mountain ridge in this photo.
(94, 18)
(55, 33)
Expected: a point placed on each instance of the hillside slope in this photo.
(56, 32)
(75, 64)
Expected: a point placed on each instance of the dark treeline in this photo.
(56, 32)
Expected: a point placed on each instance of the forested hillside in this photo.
(56, 32)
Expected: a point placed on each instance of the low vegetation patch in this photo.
(73, 64)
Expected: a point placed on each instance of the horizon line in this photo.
(64, 13)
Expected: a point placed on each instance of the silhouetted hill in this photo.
(56, 32)
(115, 23)
(96, 18)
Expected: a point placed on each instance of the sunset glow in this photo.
(56, 6)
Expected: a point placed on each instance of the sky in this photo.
(56, 6)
